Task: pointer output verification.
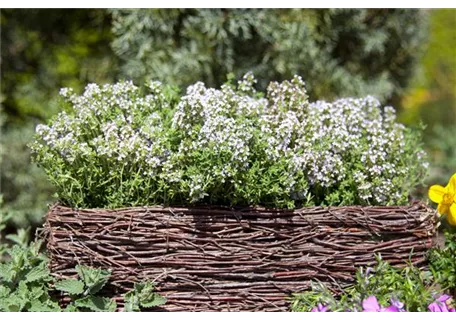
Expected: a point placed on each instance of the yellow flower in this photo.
(446, 198)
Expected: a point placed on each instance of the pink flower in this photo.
(397, 304)
(440, 305)
(319, 308)
(370, 304)
(437, 307)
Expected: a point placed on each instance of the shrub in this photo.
(45, 48)
(117, 147)
(345, 52)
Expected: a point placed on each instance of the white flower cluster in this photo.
(113, 124)
(224, 143)
(352, 139)
(219, 124)
(329, 143)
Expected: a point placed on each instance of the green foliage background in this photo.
(338, 52)
(41, 51)
(431, 98)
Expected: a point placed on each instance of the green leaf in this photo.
(6, 273)
(21, 238)
(12, 304)
(35, 292)
(22, 291)
(3, 305)
(94, 279)
(131, 306)
(39, 272)
(47, 306)
(143, 295)
(4, 291)
(71, 286)
(153, 300)
(94, 303)
(70, 308)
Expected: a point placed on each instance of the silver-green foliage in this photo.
(343, 52)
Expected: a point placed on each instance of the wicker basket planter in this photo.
(224, 259)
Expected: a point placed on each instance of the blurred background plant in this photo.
(431, 97)
(339, 52)
(41, 51)
(403, 57)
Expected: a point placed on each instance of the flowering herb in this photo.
(235, 146)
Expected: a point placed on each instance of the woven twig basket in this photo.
(225, 259)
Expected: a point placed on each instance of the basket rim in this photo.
(416, 203)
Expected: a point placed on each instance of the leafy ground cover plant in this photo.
(382, 288)
(25, 281)
(26, 285)
(117, 147)
(4, 217)
(84, 292)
